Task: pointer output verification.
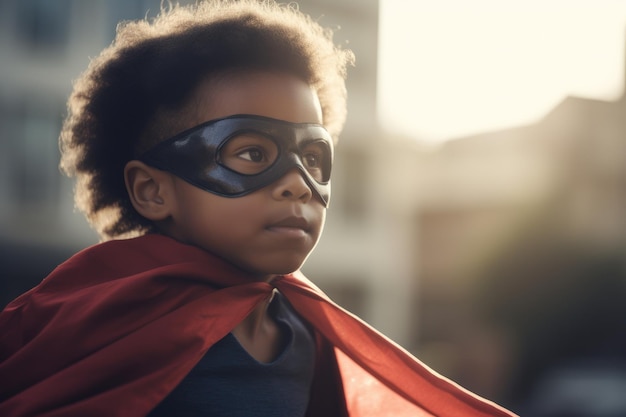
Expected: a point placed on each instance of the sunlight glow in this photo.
(450, 68)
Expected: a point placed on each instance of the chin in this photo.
(288, 269)
(279, 268)
(273, 263)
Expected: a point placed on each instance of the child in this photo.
(207, 136)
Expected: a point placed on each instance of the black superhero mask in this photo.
(239, 154)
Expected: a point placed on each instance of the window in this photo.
(43, 24)
(30, 155)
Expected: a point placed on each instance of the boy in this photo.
(207, 135)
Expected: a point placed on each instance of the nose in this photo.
(292, 186)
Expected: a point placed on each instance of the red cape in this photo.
(114, 329)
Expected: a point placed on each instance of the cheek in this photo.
(320, 221)
(235, 216)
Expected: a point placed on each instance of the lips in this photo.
(291, 222)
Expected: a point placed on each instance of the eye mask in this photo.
(237, 155)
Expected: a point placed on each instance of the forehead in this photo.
(269, 94)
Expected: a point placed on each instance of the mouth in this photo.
(291, 226)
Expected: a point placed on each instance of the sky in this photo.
(451, 68)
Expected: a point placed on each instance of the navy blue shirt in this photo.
(229, 382)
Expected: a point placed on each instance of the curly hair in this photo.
(133, 94)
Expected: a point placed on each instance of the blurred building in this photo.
(521, 255)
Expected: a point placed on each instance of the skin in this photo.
(267, 233)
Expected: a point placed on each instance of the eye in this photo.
(248, 153)
(315, 158)
(253, 155)
(312, 159)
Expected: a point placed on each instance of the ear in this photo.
(149, 190)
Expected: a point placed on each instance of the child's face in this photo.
(269, 231)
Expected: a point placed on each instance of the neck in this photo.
(253, 324)
(258, 334)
